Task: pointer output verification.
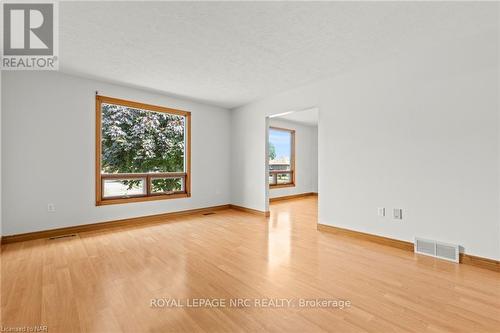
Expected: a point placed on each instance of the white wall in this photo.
(314, 160)
(306, 158)
(48, 135)
(419, 131)
(1, 188)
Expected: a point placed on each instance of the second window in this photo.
(281, 157)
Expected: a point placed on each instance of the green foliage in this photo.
(166, 184)
(139, 141)
(272, 151)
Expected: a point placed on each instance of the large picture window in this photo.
(142, 152)
(281, 157)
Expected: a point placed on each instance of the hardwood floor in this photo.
(105, 281)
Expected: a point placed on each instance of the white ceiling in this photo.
(230, 53)
(307, 117)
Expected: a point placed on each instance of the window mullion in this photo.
(148, 185)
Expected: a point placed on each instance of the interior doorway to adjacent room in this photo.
(292, 155)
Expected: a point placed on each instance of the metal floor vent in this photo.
(437, 249)
(62, 236)
(209, 213)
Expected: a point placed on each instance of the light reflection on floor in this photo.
(279, 239)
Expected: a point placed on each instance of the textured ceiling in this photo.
(230, 53)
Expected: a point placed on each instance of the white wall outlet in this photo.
(51, 207)
(381, 211)
(398, 214)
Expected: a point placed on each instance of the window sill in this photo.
(118, 201)
(281, 186)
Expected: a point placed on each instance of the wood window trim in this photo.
(292, 159)
(98, 137)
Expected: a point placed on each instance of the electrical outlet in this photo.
(51, 207)
(381, 211)
(398, 213)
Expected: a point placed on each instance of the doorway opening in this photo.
(292, 155)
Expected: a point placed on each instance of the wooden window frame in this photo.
(292, 171)
(148, 196)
